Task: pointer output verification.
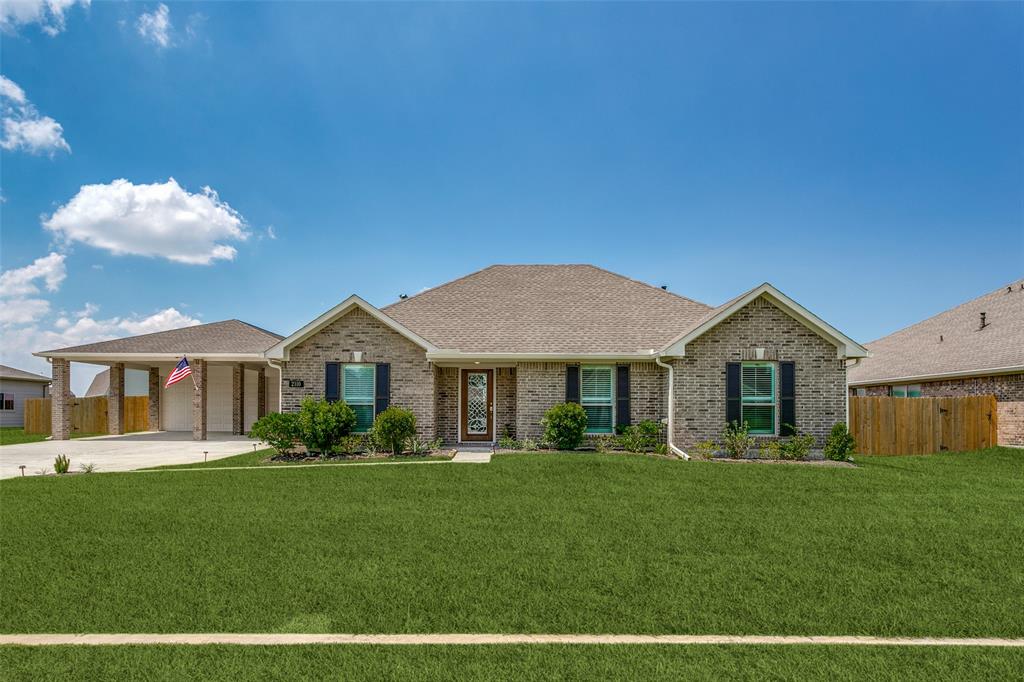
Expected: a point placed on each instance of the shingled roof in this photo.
(228, 336)
(952, 342)
(547, 309)
(21, 375)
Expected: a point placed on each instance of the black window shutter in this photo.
(732, 392)
(572, 383)
(787, 398)
(331, 389)
(622, 395)
(382, 397)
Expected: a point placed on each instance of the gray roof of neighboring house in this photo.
(100, 384)
(229, 336)
(547, 309)
(952, 342)
(21, 375)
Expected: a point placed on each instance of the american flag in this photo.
(180, 372)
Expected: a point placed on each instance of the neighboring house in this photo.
(135, 383)
(15, 386)
(487, 354)
(976, 348)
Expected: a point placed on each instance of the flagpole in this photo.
(191, 374)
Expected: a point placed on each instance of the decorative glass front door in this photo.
(477, 400)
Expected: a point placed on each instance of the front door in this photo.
(477, 418)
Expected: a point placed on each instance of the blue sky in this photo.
(868, 159)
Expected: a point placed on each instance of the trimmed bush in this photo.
(840, 444)
(277, 430)
(640, 437)
(393, 427)
(323, 424)
(796, 447)
(564, 425)
(737, 440)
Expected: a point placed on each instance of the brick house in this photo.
(487, 354)
(976, 348)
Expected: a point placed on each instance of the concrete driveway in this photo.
(120, 453)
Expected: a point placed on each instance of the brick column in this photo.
(261, 393)
(199, 400)
(60, 399)
(154, 399)
(238, 399)
(115, 400)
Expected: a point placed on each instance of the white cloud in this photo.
(23, 310)
(12, 91)
(155, 26)
(22, 282)
(23, 127)
(49, 14)
(161, 220)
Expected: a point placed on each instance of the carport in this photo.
(233, 382)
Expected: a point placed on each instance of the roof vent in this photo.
(403, 296)
(940, 338)
(983, 322)
(664, 287)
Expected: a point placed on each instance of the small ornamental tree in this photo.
(277, 430)
(840, 444)
(323, 424)
(564, 425)
(393, 428)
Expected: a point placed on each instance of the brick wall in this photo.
(539, 385)
(505, 401)
(1011, 423)
(700, 375)
(412, 378)
(446, 402)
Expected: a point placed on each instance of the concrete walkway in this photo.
(267, 638)
(472, 456)
(120, 453)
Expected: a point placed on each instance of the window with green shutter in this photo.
(597, 396)
(757, 396)
(357, 392)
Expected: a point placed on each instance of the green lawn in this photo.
(529, 543)
(548, 662)
(261, 458)
(13, 435)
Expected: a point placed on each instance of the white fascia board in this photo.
(845, 346)
(994, 371)
(102, 358)
(459, 356)
(279, 351)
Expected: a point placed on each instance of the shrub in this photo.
(277, 430)
(507, 442)
(61, 464)
(350, 445)
(706, 449)
(796, 447)
(840, 444)
(606, 443)
(661, 449)
(528, 445)
(323, 424)
(771, 450)
(418, 446)
(88, 468)
(564, 425)
(737, 439)
(393, 427)
(640, 437)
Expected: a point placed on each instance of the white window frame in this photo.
(611, 401)
(773, 403)
(373, 390)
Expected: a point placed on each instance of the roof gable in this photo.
(952, 343)
(279, 351)
(845, 346)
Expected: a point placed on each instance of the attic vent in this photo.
(983, 322)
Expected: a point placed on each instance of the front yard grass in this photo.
(576, 543)
(15, 435)
(485, 663)
(261, 458)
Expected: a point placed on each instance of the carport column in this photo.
(154, 398)
(60, 400)
(261, 393)
(238, 399)
(115, 400)
(199, 400)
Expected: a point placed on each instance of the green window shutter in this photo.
(358, 393)
(757, 396)
(596, 397)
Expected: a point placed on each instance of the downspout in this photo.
(280, 379)
(846, 376)
(671, 405)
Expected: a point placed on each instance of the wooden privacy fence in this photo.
(88, 415)
(920, 426)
